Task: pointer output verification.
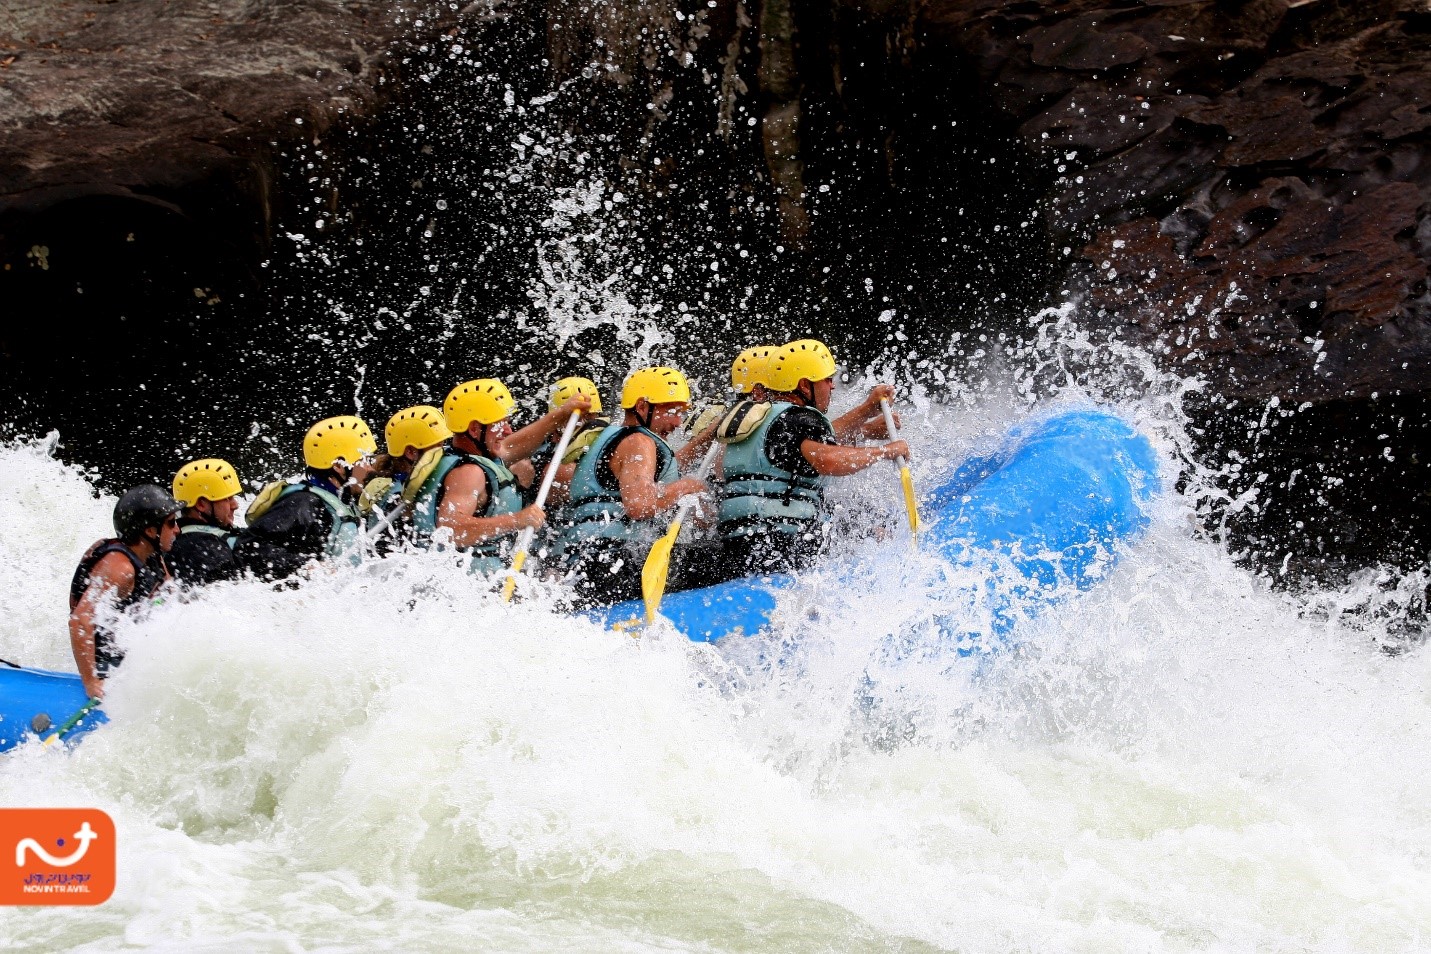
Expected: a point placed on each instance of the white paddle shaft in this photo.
(889, 426)
(524, 539)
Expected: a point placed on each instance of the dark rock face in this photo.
(143, 182)
(144, 133)
(1243, 187)
(149, 94)
(1253, 194)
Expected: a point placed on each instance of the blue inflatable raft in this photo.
(1042, 516)
(38, 703)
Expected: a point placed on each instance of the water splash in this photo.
(1181, 758)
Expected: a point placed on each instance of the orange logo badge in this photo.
(56, 856)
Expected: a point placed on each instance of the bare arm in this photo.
(464, 493)
(634, 464)
(839, 460)
(561, 485)
(519, 445)
(867, 412)
(113, 574)
(690, 455)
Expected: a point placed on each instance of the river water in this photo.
(1183, 758)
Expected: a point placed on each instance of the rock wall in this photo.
(146, 133)
(1248, 185)
(1243, 187)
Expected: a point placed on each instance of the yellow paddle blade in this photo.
(658, 564)
(518, 561)
(910, 506)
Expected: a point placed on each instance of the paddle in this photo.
(905, 479)
(381, 527)
(65, 726)
(424, 467)
(658, 561)
(524, 539)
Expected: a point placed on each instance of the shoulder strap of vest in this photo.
(706, 418)
(266, 498)
(97, 553)
(421, 471)
(499, 478)
(580, 444)
(742, 421)
(210, 529)
(373, 491)
(495, 480)
(117, 546)
(606, 478)
(340, 510)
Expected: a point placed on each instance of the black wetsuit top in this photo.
(200, 557)
(291, 533)
(148, 577)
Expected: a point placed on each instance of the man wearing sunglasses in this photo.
(120, 575)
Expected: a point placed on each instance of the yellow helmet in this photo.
(568, 388)
(332, 439)
(421, 426)
(485, 401)
(807, 358)
(749, 368)
(659, 385)
(211, 477)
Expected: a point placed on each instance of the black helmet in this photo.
(141, 507)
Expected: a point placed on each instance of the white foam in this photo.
(1179, 759)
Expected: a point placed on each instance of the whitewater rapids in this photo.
(390, 758)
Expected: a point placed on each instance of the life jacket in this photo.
(706, 418)
(594, 509)
(149, 576)
(342, 535)
(384, 495)
(756, 495)
(586, 435)
(740, 421)
(378, 492)
(503, 497)
(228, 536)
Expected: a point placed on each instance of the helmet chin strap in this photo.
(808, 400)
(645, 421)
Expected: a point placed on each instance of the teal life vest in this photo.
(343, 537)
(581, 439)
(229, 536)
(387, 517)
(594, 509)
(756, 495)
(388, 500)
(503, 497)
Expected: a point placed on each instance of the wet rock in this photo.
(180, 107)
(1252, 194)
